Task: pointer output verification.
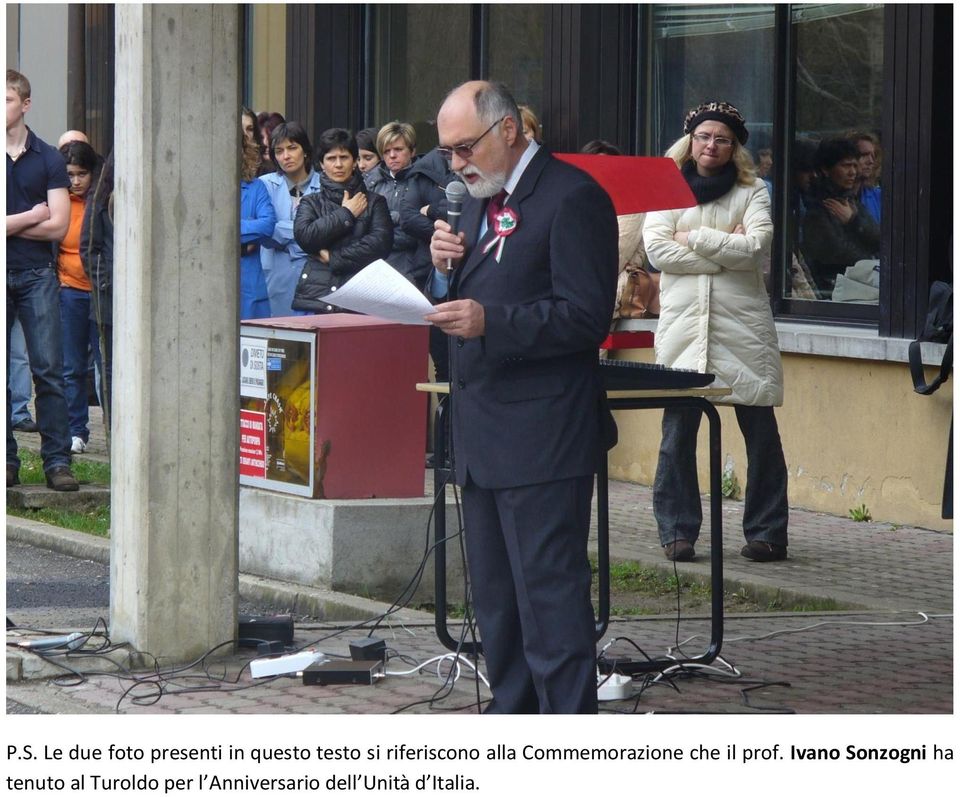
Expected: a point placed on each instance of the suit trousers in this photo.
(530, 583)
(676, 489)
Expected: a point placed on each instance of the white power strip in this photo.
(614, 687)
(281, 665)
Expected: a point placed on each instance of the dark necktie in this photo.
(494, 207)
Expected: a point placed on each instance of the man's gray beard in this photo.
(487, 185)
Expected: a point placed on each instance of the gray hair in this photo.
(494, 102)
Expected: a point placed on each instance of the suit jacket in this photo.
(527, 401)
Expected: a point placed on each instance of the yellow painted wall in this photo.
(269, 37)
(853, 431)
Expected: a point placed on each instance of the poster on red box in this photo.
(276, 407)
(253, 444)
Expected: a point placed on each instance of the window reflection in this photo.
(408, 84)
(516, 51)
(703, 52)
(834, 235)
(840, 239)
(722, 52)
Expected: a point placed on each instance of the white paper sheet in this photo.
(381, 290)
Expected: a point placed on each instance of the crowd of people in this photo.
(336, 207)
(530, 419)
(835, 215)
(311, 218)
(59, 284)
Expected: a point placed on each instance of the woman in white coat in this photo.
(715, 317)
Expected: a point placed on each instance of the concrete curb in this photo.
(23, 665)
(39, 496)
(53, 538)
(763, 589)
(327, 605)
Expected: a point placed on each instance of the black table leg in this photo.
(441, 476)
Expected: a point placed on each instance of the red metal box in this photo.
(329, 406)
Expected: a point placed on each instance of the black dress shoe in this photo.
(759, 551)
(679, 551)
(13, 475)
(26, 425)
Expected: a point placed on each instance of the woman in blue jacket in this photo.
(257, 221)
(281, 257)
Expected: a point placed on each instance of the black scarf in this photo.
(335, 190)
(707, 189)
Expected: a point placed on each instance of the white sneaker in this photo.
(78, 446)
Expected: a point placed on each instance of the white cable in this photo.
(456, 660)
(924, 621)
(403, 627)
(730, 673)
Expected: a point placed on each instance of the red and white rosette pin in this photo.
(504, 224)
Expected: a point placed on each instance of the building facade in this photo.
(854, 432)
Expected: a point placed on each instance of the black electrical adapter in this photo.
(330, 673)
(253, 629)
(271, 648)
(368, 649)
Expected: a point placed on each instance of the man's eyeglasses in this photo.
(464, 151)
(720, 141)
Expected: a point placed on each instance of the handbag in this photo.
(938, 328)
(639, 295)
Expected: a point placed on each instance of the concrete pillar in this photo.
(174, 560)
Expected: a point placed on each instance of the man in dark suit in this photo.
(534, 278)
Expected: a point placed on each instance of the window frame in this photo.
(786, 308)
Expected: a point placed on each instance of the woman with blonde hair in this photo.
(715, 318)
(531, 125)
(869, 164)
(391, 179)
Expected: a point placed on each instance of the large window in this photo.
(833, 238)
(516, 51)
(712, 52)
(420, 53)
(825, 119)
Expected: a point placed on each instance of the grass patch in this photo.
(92, 521)
(810, 605)
(627, 576)
(860, 514)
(86, 470)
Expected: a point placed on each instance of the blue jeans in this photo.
(33, 295)
(21, 386)
(676, 489)
(79, 335)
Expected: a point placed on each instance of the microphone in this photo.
(455, 192)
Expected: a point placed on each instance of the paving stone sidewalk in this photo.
(878, 656)
(890, 663)
(858, 565)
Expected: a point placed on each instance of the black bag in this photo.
(938, 328)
